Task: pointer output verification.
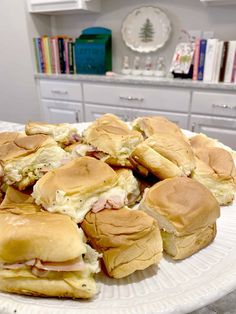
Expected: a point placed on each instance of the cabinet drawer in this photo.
(60, 90)
(138, 97)
(215, 104)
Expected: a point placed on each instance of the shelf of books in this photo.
(207, 60)
(54, 55)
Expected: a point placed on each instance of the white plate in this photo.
(176, 287)
(146, 29)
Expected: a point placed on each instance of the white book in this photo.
(230, 61)
(210, 59)
(218, 61)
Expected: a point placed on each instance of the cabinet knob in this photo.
(132, 98)
(193, 127)
(77, 116)
(223, 106)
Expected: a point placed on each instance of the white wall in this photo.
(18, 96)
(184, 14)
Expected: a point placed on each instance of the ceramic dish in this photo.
(146, 29)
(174, 287)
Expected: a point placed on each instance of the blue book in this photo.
(40, 55)
(202, 54)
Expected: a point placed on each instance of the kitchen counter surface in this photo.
(225, 305)
(143, 80)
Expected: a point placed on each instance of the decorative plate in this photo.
(146, 29)
(172, 288)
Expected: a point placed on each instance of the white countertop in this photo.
(137, 80)
(226, 304)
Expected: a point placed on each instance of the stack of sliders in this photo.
(215, 168)
(109, 139)
(24, 159)
(90, 194)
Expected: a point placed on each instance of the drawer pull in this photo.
(59, 92)
(132, 98)
(77, 116)
(224, 106)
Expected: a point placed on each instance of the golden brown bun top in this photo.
(18, 202)
(49, 237)
(116, 227)
(84, 175)
(200, 141)
(23, 146)
(175, 149)
(108, 132)
(184, 202)
(7, 137)
(156, 125)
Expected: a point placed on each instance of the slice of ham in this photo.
(75, 265)
(114, 201)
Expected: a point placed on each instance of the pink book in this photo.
(196, 59)
(233, 77)
(55, 55)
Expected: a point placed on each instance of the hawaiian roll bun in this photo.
(165, 156)
(44, 254)
(111, 136)
(129, 240)
(186, 213)
(81, 185)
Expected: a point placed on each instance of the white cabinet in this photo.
(130, 101)
(61, 111)
(63, 6)
(93, 112)
(61, 101)
(214, 114)
(218, 2)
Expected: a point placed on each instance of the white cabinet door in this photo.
(92, 112)
(59, 112)
(223, 129)
(63, 6)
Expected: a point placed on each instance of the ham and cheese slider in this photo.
(63, 133)
(109, 139)
(24, 159)
(44, 254)
(81, 185)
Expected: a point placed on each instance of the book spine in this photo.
(36, 52)
(233, 78)
(210, 59)
(45, 61)
(48, 54)
(52, 48)
(196, 59)
(218, 61)
(66, 56)
(61, 55)
(230, 61)
(71, 57)
(223, 63)
(202, 54)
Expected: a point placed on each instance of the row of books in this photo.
(54, 54)
(214, 60)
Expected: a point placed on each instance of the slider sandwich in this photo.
(215, 169)
(149, 126)
(43, 254)
(27, 158)
(186, 212)
(109, 139)
(81, 185)
(129, 240)
(63, 133)
(165, 156)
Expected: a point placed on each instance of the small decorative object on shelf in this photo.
(137, 66)
(148, 67)
(126, 67)
(160, 70)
